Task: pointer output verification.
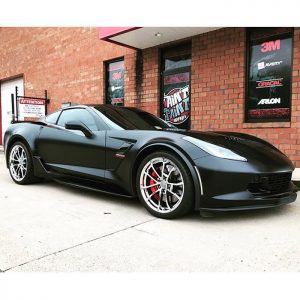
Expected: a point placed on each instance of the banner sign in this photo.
(269, 79)
(115, 83)
(31, 109)
(176, 102)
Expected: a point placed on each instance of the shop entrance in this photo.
(7, 88)
(175, 86)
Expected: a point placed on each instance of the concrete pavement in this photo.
(49, 227)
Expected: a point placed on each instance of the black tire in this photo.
(186, 203)
(28, 177)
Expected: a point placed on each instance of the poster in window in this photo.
(115, 83)
(176, 101)
(269, 79)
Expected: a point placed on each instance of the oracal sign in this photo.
(31, 109)
(268, 95)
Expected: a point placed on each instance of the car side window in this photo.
(77, 114)
(53, 117)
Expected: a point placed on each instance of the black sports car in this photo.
(130, 152)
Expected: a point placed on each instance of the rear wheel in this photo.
(165, 186)
(20, 164)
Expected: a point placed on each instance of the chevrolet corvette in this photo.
(130, 152)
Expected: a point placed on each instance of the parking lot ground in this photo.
(50, 227)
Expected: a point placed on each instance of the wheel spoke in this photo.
(174, 194)
(152, 166)
(22, 154)
(162, 169)
(159, 199)
(173, 168)
(176, 184)
(17, 155)
(151, 185)
(167, 202)
(22, 172)
(151, 177)
(153, 194)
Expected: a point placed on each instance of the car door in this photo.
(70, 151)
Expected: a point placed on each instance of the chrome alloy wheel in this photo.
(18, 163)
(162, 185)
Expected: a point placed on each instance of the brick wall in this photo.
(68, 62)
(218, 79)
(143, 85)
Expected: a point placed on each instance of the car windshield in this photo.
(131, 118)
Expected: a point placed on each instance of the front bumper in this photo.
(221, 205)
(231, 185)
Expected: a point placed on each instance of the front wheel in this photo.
(164, 185)
(20, 164)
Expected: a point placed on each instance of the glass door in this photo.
(175, 86)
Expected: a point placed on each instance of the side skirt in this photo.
(96, 186)
(93, 186)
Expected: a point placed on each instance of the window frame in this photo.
(106, 78)
(249, 43)
(174, 51)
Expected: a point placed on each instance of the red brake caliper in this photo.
(154, 188)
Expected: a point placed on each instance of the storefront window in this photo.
(115, 82)
(177, 62)
(269, 70)
(175, 98)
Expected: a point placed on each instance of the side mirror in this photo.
(77, 125)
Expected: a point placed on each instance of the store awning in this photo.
(146, 37)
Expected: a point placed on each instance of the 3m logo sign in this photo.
(270, 46)
(117, 75)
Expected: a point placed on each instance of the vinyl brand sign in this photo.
(269, 79)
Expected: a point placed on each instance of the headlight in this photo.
(214, 149)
